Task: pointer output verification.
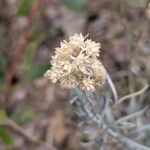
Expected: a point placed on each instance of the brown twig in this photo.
(13, 127)
(18, 53)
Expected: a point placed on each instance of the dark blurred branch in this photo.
(13, 127)
(18, 53)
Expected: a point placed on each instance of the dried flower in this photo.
(75, 64)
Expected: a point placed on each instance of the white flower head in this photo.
(76, 64)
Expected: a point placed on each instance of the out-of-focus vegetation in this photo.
(32, 114)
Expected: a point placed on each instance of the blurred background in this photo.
(30, 107)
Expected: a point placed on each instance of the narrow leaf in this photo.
(5, 137)
(25, 7)
(75, 5)
(37, 71)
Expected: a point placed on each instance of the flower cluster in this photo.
(76, 64)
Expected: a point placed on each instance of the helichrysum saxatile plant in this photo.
(76, 64)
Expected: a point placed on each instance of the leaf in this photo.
(75, 5)
(30, 50)
(1, 83)
(5, 137)
(3, 117)
(25, 7)
(37, 71)
(2, 64)
(26, 114)
(2, 70)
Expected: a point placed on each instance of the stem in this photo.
(87, 107)
(112, 87)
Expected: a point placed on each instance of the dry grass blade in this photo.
(131, 95)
